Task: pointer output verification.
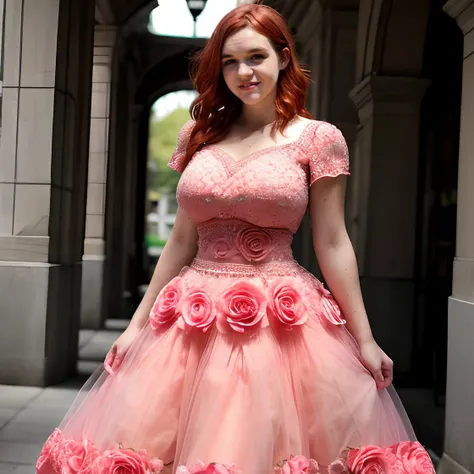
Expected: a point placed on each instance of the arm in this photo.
(338, 264)
(178, 252)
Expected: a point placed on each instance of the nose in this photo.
(244, 70)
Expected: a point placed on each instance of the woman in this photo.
(237, 360)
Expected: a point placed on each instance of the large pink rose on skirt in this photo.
(78, 457)
(126, 461)
(370, 460)
(286, 303)
(254, 243)
(197, 310)
(414, 458)
(164, 310)
(242, 307)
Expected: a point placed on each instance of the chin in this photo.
(253, 99)
(250, 101)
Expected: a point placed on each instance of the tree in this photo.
(162, 142)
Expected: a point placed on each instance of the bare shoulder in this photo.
(297, 126)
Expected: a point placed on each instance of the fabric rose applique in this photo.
(242, 307)
(370, 460)
(286, 303)
(413, 458)
(164, 311)
(197, 310)
(129, 461)
(223, 246)
(254, 243)
(403, 458)
(297, 465)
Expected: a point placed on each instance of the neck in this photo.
(259, 115)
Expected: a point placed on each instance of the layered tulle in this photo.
(244, 371)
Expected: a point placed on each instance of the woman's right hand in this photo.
(119, 350)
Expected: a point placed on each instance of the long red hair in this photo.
(216, 108)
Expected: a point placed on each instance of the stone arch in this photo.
(169, 75)
(155, 84)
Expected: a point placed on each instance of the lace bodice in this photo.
(268, 188)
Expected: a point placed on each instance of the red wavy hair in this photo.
(216, 108)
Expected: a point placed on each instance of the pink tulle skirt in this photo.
(249, 368)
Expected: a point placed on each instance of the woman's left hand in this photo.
(378, 363)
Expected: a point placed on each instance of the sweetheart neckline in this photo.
(251, 155)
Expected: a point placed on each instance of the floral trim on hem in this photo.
(66, 456)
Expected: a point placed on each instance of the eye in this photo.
(228, 62)
(257, 57)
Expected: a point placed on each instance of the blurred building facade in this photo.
(397, 77)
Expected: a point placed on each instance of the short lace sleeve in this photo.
(328, 155)
(176, 161)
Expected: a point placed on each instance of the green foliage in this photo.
(152, 240)
(162, 142)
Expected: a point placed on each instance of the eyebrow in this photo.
(253, 50)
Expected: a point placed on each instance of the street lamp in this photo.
(196, 7)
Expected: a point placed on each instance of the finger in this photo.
(109, 363)
(379, 378)
(388, 376)
(117, 361)
(387, 370)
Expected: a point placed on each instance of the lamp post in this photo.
(196, 7)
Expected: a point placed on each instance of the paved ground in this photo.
(28, 415)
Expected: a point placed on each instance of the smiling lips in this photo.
(249, 86)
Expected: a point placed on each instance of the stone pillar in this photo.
(47, 68)
(119, 187)
(92, 315)
(459, 437)
(383, 206)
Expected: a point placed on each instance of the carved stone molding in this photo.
(463, 12)
(388, 89)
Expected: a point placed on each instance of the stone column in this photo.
(43, 168)
(383, 205)
(119, 187)
(459, 438)
(92, 314)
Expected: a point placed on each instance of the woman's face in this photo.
(251, 66)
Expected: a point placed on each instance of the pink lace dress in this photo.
(245, 365)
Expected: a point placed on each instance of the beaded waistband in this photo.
(275, 268)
